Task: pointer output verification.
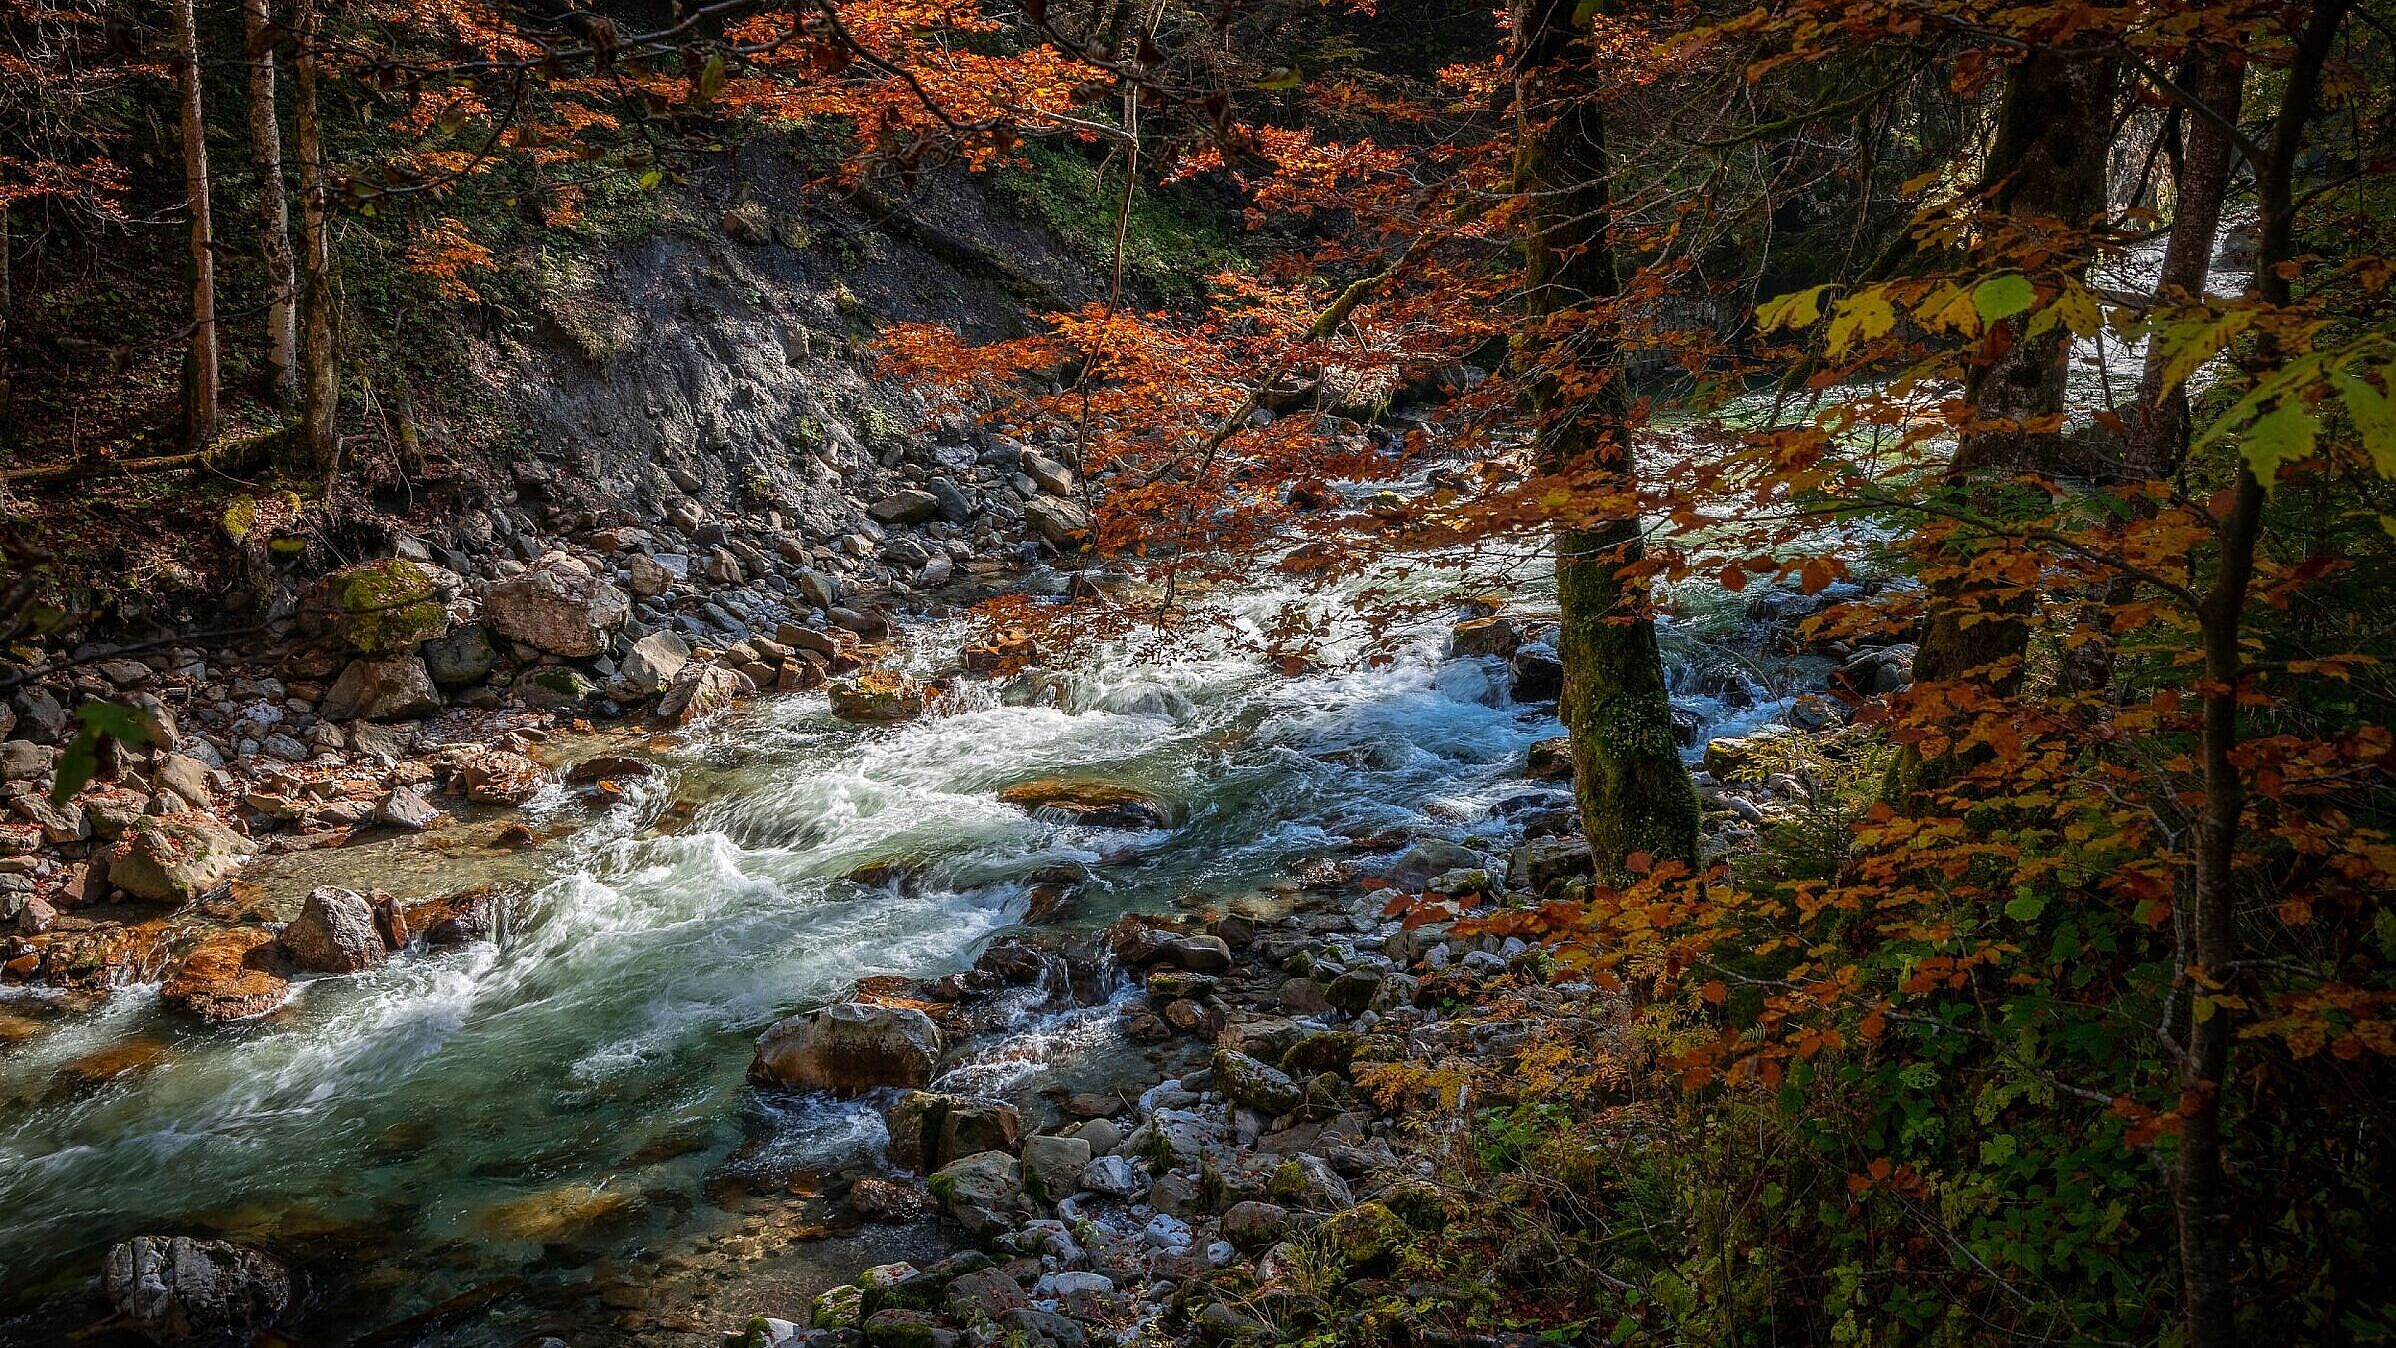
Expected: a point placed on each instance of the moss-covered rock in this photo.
(1364, 1235)
(386, 606)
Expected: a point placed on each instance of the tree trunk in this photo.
(2159, 435)
(274, 208)
(2045, 177)
(199, 421)
(2200, 1188)
(1633, 790)
(321, 398)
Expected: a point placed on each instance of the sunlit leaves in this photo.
(2001, 297)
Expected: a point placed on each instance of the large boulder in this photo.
(175, 858)
(381, 608)
(928, 1130)
(906, 506)
(232, 974)
(1484, 636)
(552, 688)
(335, 933)
(848, 1049)
(1542, 861)
(392, 688)
(184, 1293)
(461, 658)
(558, 606)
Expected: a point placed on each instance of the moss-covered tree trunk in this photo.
(1634, 791)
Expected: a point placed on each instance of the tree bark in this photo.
(2158, 440)
(274, 208)
(1633, 790)
(321, 396)
(2045, 178)
(2200, 1186)
(199, 420)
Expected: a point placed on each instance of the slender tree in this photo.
(1634, 792)
(321, 394)
(2201, 1190)
(2158, 438)
(274, 207)
(200, 400)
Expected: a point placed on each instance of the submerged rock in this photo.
(232, 974)
(877, 696)
(848, 1049)
(1099, 804)
(184, 1293)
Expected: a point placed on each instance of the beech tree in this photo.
(199, 420)
(274, 204)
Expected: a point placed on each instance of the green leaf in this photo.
(651, 179)
(2277, 438)
(101, 720)
(711, 78)
(1282, 78)
(2026, 908)
(2374, 419)
(2001, 297)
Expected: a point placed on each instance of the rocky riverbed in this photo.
(351, 886)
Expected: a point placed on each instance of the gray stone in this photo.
(396, 687)
(557, 606)
(463, 657)
(1053, 1165)
(335, 933)
(184, 1293)
(652, 663)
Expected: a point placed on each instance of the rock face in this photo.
(175, 858)
(335, 933)
(394, 688)
(557, 606)
(877, 696)
(185, 1293)
(231, 974)
(848, 1049)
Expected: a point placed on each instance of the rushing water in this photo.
(574, 1092)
